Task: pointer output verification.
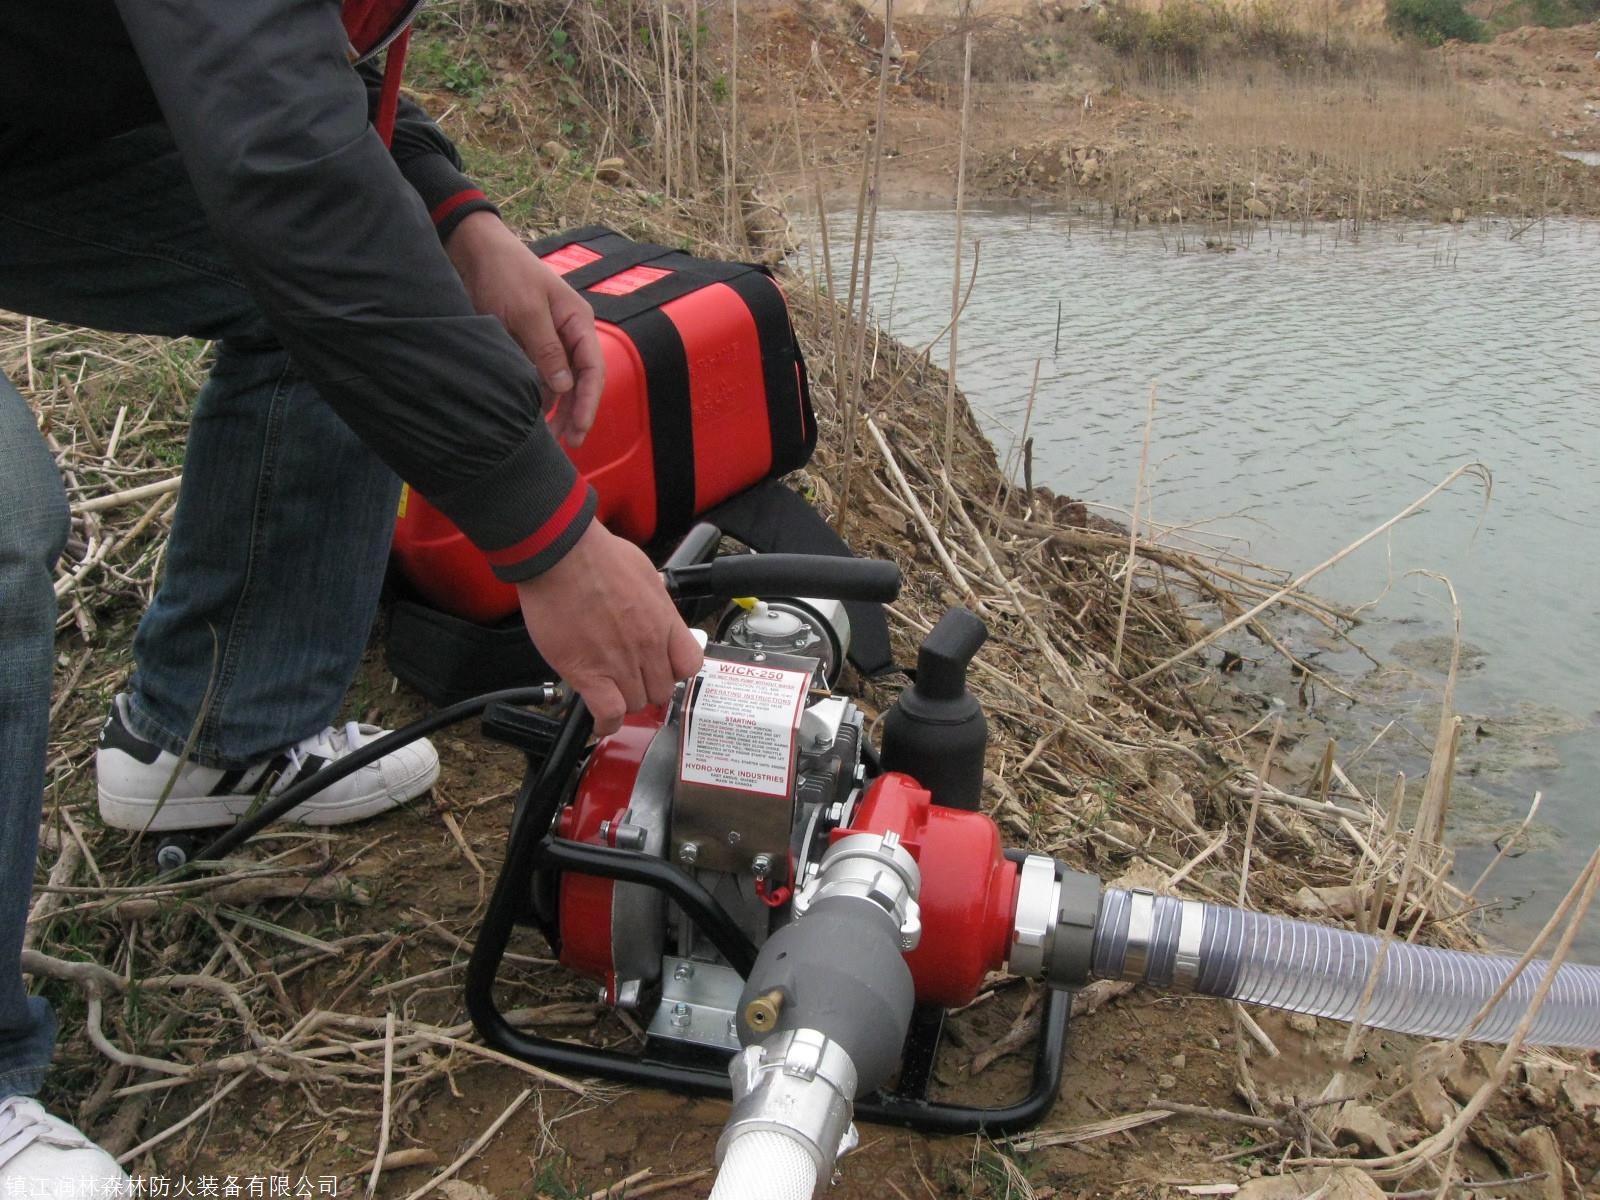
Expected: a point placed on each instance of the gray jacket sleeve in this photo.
(341, 255)
(428, 160)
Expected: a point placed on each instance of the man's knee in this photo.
(37, 520)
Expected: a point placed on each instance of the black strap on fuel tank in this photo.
(572, 237)
(687, 275)
(666, 369)
(635, 254)
(793, 432)
(808, 413)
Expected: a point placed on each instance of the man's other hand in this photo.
(602, 620)
(551, 322)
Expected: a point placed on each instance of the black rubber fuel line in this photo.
(253, 823)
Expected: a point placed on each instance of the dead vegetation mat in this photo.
(296, 1011)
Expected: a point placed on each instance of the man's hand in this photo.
(551, 322)
(602, 620)
(600, 617)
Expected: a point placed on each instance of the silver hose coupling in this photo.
(798, 1083)
(1191, 932)
(1141, 929)
(1160, 942)
(1052, 935)
(872, 867)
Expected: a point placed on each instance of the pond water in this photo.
(1310, 385)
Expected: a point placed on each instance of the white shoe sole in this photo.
(138, 814)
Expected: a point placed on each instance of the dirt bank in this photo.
(1244, 121)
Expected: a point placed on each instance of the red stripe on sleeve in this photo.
(541, 538)
(445, 207)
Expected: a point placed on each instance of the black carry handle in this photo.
(822, 576)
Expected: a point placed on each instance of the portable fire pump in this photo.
(744, 873)
(789, 913)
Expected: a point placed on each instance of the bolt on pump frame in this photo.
(556, 754)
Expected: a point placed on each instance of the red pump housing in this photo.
(969, 888)
(585, 905)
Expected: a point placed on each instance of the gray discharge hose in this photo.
(1307, 968)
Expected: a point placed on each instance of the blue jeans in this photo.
(278, 543)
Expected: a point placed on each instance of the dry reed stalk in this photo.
(1505, 848)
(620, 1188)
(167, 1134)
(1133, 536)
(1091, 1131)
(1414, 843)
(961, 217)
(843, 361)
(1050, 654)
(388, 1111)
(668, 106)
(872, 176)
(694, 96)
(1267, 759)
(1391, 828)
(923, 357)
(624, 1191)
(1574, 904)
(1251, 1026)
(735, 225)
(935, 542)
(1436, 793)
(1188, 868)
(47, 902)
(130, 496)
(1006, 468)
(1298, 583)
(471, 1151)
(835, 332)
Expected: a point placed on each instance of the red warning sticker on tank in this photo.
(741, 729)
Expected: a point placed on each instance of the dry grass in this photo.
(1309, 16)
(1380, 127)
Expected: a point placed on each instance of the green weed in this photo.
(1434, 21)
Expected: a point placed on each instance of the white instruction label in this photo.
(741, 732)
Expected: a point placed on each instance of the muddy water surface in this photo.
(1310, 385)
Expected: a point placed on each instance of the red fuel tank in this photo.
(705, 396)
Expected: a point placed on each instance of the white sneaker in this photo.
(44, 1158)
(134, 774)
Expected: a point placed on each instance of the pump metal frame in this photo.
(534, 853)
(533, 850)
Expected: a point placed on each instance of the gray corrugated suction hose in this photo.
(1308, 968)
